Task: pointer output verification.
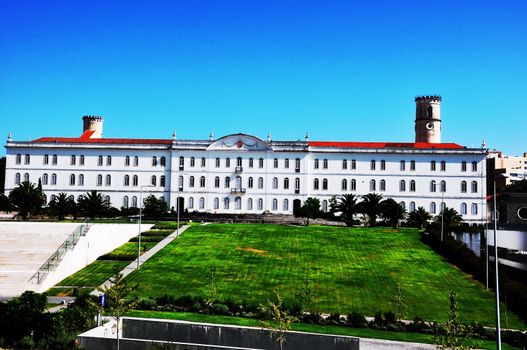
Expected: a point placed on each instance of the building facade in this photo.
(241, 173)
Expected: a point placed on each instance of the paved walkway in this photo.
(133, 265)
(380, 344)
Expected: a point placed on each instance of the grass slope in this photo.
(350, 268)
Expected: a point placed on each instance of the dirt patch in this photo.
(253, 250)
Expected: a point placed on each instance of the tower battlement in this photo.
(93, 122)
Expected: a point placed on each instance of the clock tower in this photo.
(428, 119)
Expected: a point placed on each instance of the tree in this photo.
(281, 321)
(371, 206)
(117, 303)
(453, 334)
(392, 212)
(154, 207)
(419, 217)
(61, 205)
(348, 207)
(310, 209)
(451, 218)
(5, 204)
(27, 198)
(93, 204)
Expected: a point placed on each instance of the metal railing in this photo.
(238, 169)
(238, 190)
(55, 258)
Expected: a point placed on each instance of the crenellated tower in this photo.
(428, 119)
(92, 122)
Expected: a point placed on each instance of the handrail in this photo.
(55, 259)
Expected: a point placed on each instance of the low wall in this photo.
(140, 333)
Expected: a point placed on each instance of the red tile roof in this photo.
(85, 139)
(420, 145)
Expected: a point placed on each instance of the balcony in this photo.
(238, 190)
(238, 169)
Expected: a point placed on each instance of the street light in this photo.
(140, 216)
(495, 217)
(443, 189)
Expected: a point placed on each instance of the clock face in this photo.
(430, 126)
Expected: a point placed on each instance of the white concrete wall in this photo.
(100, 239)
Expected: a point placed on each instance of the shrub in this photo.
(357, 320)
(219, 309)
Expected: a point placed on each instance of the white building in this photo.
(241, 173)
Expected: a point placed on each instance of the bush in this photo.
(167, 225)
(219, 309)
(357, 320)
(148, 239)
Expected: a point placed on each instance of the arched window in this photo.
(372, 185)
(26, 177)
(107, 200)
(463, 209)
(181, 163)
(72, 180)
(216, 203)
(237, 203)
(162, 181)
(297, 185)
(260, 182)
(433, 165)
(297, 165)
(134, 201)
(260, 204)
(463, 186)
(464, 167)
(108, 160)
(433, 186)
(192, 162)
(73, 160)
(250, 182)
(353, 185)
(154, 161)
(127, 161)
(99, 180)
(344, 185)
(412, 185)
(135, 180)
(372, 164)
(136, 161)
(203, 162)
(191, 181)
(17, 179)
(353, 164)
(81, 180)
(250, 204)
(127, 180)
(125, 201)
(226, 203)
(316, 164)
(324, 184)
(443, 186)
(344, 164)
(45, 179)
(45, 161)
(315, 184)
(286, 204)
(81, 160)
(153, 181)
(275, 163)
(403, 165)
(443, 165)
(286, 163)
(227, 182)
(474, 166)
(275, 182)
(325, 164)
(108, 180)
(191, 203)
(180, 182)
(383, 164)
(217, 182)
(251, 162)
(163, 161)
(474, 187)
(324, 206)
(27, 159)
(54, 179)
(217, 163)
(54, 160)
(18, 159)
(286, 183)
(412, 165)
(411, 207)
(474, 210)
(402, 186)
(202, 181)
(202, 203)
(275, 204)
(382, 185)
(402, 205)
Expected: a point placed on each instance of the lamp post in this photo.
(140, 217)
(442, 208)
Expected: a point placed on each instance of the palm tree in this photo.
(93, 204)
(419, 217)
(392, 212)
(348, 207)
(371, 206)
(451, 218)
(27, 198)
(61, 205)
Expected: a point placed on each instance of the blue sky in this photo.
(342, 70)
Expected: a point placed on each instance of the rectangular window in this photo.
(54, 160)
(251, 162)
(412, 165)
(275, 163)
(192, 162)
(227, 162)
(81, 160)
(260, 163)
(217, 162)
(475, 210)
(46, 159)
(203, 162)
(27, 159)
(344, 164)
(383, 164)
(18, 159)
(325, 163)
(316, 164)
(73, 160)
(109, 160)
(353, 164)
(136, 161)
(372, 165)
(99, 161)
(286, 163)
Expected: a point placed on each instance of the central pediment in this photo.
(239, 142)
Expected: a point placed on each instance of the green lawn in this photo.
(350, 269)
(94, 274)
(357, 332)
